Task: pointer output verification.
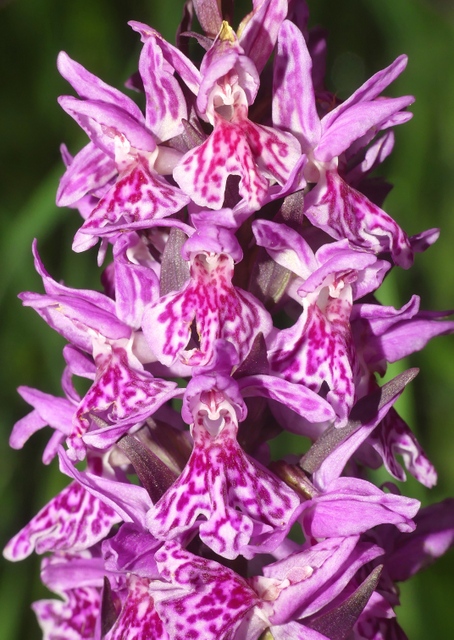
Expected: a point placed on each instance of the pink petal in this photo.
(343, 212)
(138, 617)
(72, 619)
(74, 520)
(238, 505)
(294, 107)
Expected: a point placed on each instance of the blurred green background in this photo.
(365, 35)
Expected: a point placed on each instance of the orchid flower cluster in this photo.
(244, 239)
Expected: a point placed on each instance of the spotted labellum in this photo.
(241, 254)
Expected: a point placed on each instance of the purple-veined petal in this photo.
(138, 617)
(225, 58)
(394, 438)
(182, 65)
(122, 393)
(319, 350)
(238, 505)
(74, 618)
(74, 520)
(109, 127)
(294, 107)
(136, 282)
(253, 152)
(259, 30)
(165, 105)
(343, 212)
(129, 501)
(276, 152)
(90, 87)
(218, 309)
(203, 599)
(369, 90)
(89, 170)
(354, 123)
(203, 171)
(137, 196)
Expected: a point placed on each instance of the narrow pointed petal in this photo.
(286, 246)
(317, 575)
(434, 535)
(356, 122)
(258, 31)
(48, 410)
(326, 460)
(89, 170)
(182, 65)
(107, 126)
(165, 105)
(370, 90)
(129, 501)
(294, 107)
(90, 87)
(393, 438)
(350, 506)
(75, 313)
(136, 283)
(296, 397)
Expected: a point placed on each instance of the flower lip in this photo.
(226, 100)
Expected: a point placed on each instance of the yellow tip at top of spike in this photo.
(226, 32)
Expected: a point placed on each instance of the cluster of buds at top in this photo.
(246, 241)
